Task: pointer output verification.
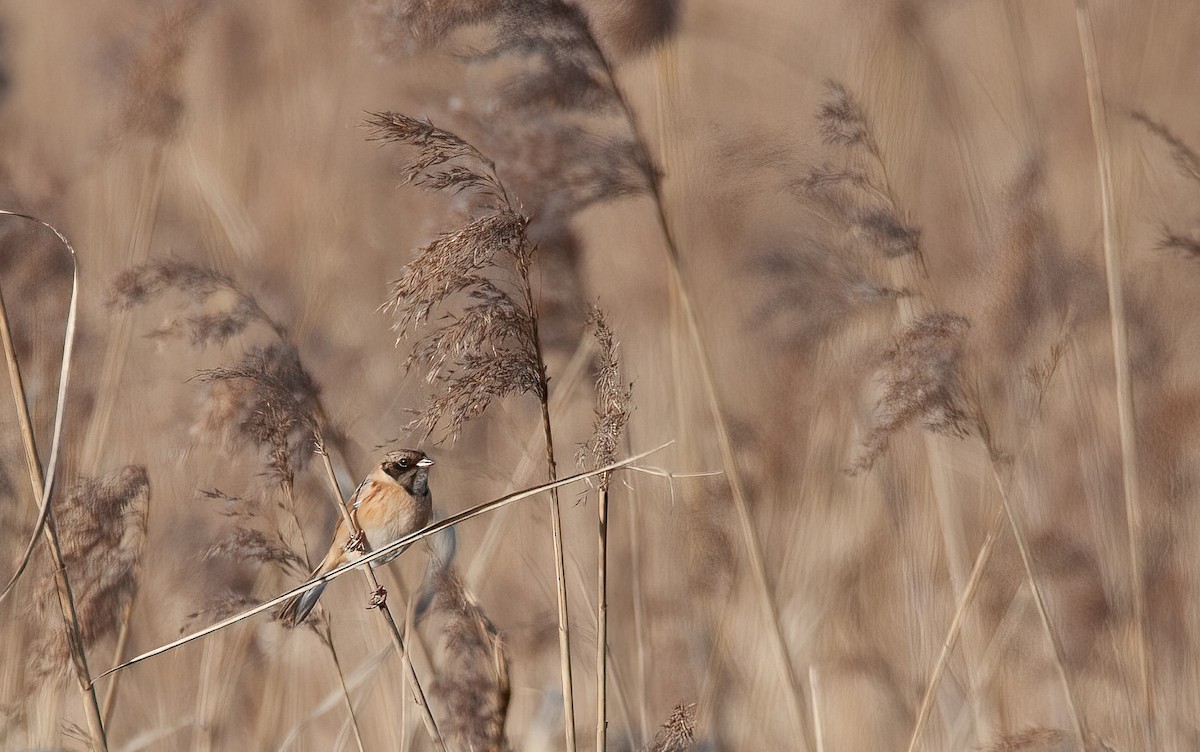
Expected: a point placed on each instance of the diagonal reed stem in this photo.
(379, 553)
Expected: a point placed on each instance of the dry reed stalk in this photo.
(373, 586)
(43, 487)
(1121, 365)
(611, 415)
(383, 551)
(1041, 375)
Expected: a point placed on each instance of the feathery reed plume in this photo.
(1032, 740)
(219, 308)
(810, 293)
(678, 734)
(857, 191)
(101, 527)
(267, 401)
(612, 413)
(612, 398)
(1187, 163)
(472, 682)
(491, 348)
(921, 381)
(152, 105)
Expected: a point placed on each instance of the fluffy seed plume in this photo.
(612, 399)
(268, 401)
(102, 529)
(855, 191)
(219, 309)
(485, 346)
(678, 734)
(921, 381)
(1186, 161)
(472, 684)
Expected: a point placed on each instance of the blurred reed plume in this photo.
(678, 734)
(472, 684)
(102, 528)
(266, 400)
(855, 190)
(1187, 164)
(152, 101)
(921, 382)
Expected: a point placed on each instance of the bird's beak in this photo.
(426, 462)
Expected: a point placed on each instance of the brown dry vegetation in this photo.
(854, 258)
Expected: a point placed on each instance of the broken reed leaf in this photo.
(472, 683)
(921, 379)
(1186, 161)
(678, 734)
(102, 531)
(843, 120)
(612, 398)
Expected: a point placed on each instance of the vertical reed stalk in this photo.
(1120, 339)
(373, 583)
(733, 473)
(560, 572)
(602, 619)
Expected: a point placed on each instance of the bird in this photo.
(392, 502)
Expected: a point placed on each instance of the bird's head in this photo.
(408, 468)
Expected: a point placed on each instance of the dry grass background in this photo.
(229, 135)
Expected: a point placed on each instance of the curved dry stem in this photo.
(43, 486)
(46, 482)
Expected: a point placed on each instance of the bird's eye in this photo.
(403, 462)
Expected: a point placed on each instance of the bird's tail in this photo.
(296, 609)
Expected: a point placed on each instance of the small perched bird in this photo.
(392, 502)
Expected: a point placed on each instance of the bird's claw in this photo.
(357, 542)
(378, 598)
